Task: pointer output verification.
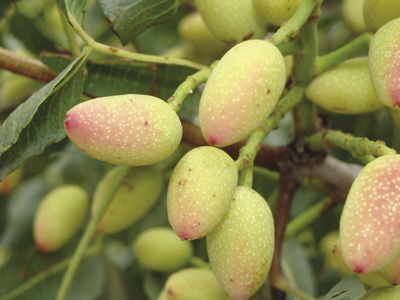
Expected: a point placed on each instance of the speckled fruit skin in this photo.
(384, 63)
(369, 225)
(194, 31)
(59, 216)
(379, 12)
(345, 89)
(276, 11)
(352, 11)
(200, 190)
(391, 272)
(374, 280)
(387, 293)
(241, 246)
(194, 283)
(241, 92)
(136, 195)
(232, 21)
(132, 130)
(159, 249)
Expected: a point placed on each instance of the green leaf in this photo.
(38, 122)
(350, 288)
(88, 282)
(128, 18)
(295, 262)
(76, 8)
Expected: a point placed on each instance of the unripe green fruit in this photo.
(59, 217)
(276, 11)
(200, 190)
(132, 130)
(373, 279)
(232, 21)
(194, 31)
(379, 12)
(352, 11)
(391, 272)
(386, 293)
(194, 283)
(345, 89)
(136, 195)
(241, 246)
(159, 249)
(384, 63)
(241, 92)
(369, 225)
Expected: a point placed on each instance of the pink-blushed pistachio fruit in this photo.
(136, 195)
(159, 249)
(379, 12)
(132, 130)
(374, 280)
(241, 92)
(232, 21)
(59, 216)
(384, 63)
(200, 190)
(241, 246)
(391, 272)
(194, 283)
(352, 11)
(345, 89)
(276, 11)
(369, 225)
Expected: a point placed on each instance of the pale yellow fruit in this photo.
(276, 11)
(194, 284)
(345, 89)
(159, 249)
(59, 216)
(352, 11)
(136, 195)
(232, 21)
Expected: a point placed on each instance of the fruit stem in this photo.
(26, 66)
(283, 285)
(249, 151)
(187, 87)
(88, 234)
(246, 176)
(292, 27)
(308, 216)
(98, 47)
(361, 148)
(70, 34)
(350, 50)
